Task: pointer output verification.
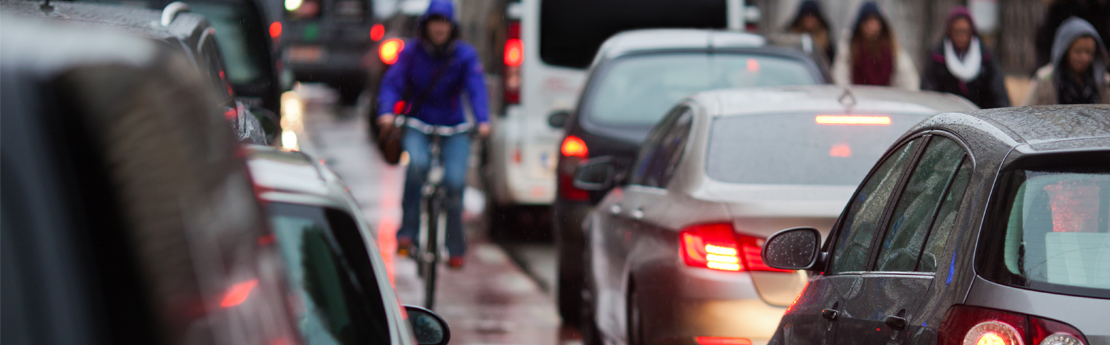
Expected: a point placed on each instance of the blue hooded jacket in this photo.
(417, 66)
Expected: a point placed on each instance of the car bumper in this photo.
(708, 303)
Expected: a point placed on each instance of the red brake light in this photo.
(574, 147)
(722, 341)
(275, 29)
(514, 57)
(982, 326)
(390, 50)
(514, 52)
(718, 247)
(238, 293)
(853, 120)
(377, 32)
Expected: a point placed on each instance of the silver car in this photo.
(673, 252)
(341, 291)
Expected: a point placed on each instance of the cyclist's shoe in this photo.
(404, 247)
(455, 262)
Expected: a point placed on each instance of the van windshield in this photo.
(638, 90)
(1055, 232)
(571, 31)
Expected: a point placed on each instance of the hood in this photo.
(439, 8)
(866, 10)
(809, 8)
(1069, 31)
(958, 13)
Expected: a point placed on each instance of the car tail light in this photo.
(859, 120)
(377, 32)
(719, 247)
(514, 57)
(982, 326)
(390, 50)
(573, 151)
(275, 30)
(722, 341)
(238, 293)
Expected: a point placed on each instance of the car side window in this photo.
(330, 306)
(675, 143)
(214, 69)
(645, 171)
(864, 215)
(946, 218)
(918, 204)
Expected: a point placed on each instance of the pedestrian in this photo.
(1077, 73)
(810, 20)
(870, 55)
(962, 65)
(429, 77)
(1096, 12)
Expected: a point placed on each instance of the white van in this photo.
(547, 47)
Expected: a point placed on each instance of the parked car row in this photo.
(689, 150)
(132, 214)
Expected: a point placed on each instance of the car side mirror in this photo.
(558, 118)
(429, 328)
(792, 249)
(595, 174)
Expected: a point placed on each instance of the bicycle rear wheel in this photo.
(430, 261)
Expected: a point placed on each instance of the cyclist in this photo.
(429, 77)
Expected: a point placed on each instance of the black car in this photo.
(331, 41)
(176, 27)
(114, 232)
(635, 79)
(250, 43)
(984, 227)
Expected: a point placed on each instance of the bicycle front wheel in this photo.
(430, 260)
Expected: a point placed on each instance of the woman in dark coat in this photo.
(961, 65)
(810, 20)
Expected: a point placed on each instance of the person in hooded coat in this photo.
(871, 56)
(810, 20)
(1077, 73)
(426, 84)
(962, 65)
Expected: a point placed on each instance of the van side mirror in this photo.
(793, 249)
(429, 328)
(594, 174)
(558, 118)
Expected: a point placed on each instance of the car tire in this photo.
(348, 93)
(569, 290)
(502, 221)
(591, 334)
(634, 319)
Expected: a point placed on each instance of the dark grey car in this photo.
(986, 227)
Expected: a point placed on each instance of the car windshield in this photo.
(331, 307)
(638, 90)
(1056, 232)
(239, 40)
(806, 149)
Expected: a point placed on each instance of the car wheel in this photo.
(634, 317)
(588, 322)
(501, 221)
(570, 287)
(348, 94)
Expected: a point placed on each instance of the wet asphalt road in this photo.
(492, 300)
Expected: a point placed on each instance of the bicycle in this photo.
(433, 219)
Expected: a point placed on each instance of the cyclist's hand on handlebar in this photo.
(483, 130)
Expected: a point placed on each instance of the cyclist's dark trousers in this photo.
(454, 153)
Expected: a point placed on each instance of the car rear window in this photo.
(638, 90)
(1052, 231)
(238, 36)
(571, 31)
(804, 149)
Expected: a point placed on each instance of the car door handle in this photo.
(638, 214)
(615, 209)
(829, 314)
(896, 322)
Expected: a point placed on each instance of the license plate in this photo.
(306, 53)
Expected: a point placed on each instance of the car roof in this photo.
(136, 20)
(60, 47)
(1030, 129)
(828, 98)
(293, 172)
(670, 39)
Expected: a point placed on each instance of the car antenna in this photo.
(46, 7)
(848, 99)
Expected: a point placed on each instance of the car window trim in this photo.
(959, 201)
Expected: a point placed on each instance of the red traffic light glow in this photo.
(377, 32)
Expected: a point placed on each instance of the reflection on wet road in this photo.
(491, 300)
